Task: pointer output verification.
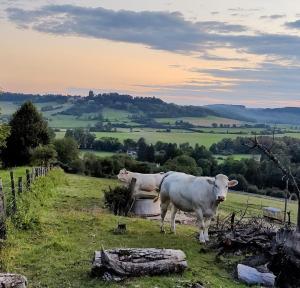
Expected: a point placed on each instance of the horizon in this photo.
(134, 96)
(189, 53)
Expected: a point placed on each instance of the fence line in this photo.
(11, 189)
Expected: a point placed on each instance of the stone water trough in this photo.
(145, 204)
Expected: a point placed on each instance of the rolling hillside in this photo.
(286, 115)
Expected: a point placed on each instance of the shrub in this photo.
(253, 189)
(117, 199)
(242, 185)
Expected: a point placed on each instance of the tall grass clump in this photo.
(31, 203)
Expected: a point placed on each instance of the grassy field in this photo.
(205, 139)
(101, 154)
(199, 121)
(75, 225)
(152, 136)
(221, 158)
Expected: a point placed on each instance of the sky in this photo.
(184, 51)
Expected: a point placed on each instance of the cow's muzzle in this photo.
(221, 198)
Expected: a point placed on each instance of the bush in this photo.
(294, 197)
(242, 185)
(117, 199)
(253, 189)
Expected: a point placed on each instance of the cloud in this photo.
(294, 24)
(157, 30)
(273, 17)
(271, 85)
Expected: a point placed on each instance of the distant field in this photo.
(101, 154)
(205, 139)
(151, 136)
(221, 158)
(69, 121)
(238, 201)
(7, 107)
(201, 121)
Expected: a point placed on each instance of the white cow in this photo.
(144, 182)
(188, 193)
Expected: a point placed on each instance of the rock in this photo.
(251, 276)
(8, 280)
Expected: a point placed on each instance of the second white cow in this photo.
(188, 193)
(144, 182)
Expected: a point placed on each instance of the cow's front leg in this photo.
(207, 223)
(173, 214)
(201, 224)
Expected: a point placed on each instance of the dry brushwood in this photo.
(252, 234)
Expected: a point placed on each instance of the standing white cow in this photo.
(144, 182)
(188, 193)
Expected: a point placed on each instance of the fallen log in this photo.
(8, 280)
(118, 264)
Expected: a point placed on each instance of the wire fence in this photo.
(11, 188)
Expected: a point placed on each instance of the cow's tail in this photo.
(159, 188)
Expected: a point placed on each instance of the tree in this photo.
(28, 131)
(4, 133)
(67, 150)
(43, 155)
(184, 163)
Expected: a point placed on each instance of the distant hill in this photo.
(147, 106)
(150, 108)
(286, 115)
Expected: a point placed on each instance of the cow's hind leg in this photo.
(173, 215)
(201, 224)
(163, 211)
(207, 223)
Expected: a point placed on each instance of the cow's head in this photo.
(221, 185)
(124, 176)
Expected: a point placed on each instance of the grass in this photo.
(205, 139)
(101, 154)
(152, 136)
(237, 201)
(221, 158)
(75, 225)
(199, 121)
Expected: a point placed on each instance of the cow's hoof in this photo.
(162, 231)
(202, 241)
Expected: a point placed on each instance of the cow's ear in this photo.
(210, 181)
(233, 183)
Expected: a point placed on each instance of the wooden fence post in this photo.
(13, 192)
(36, 172)
(32, 174)
(2, 213)
(20, 185)
(28, 179)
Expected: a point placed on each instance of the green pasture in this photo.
(74, 224)
(199, 121)
(101, 154)
(193, 138)
(221, 158)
